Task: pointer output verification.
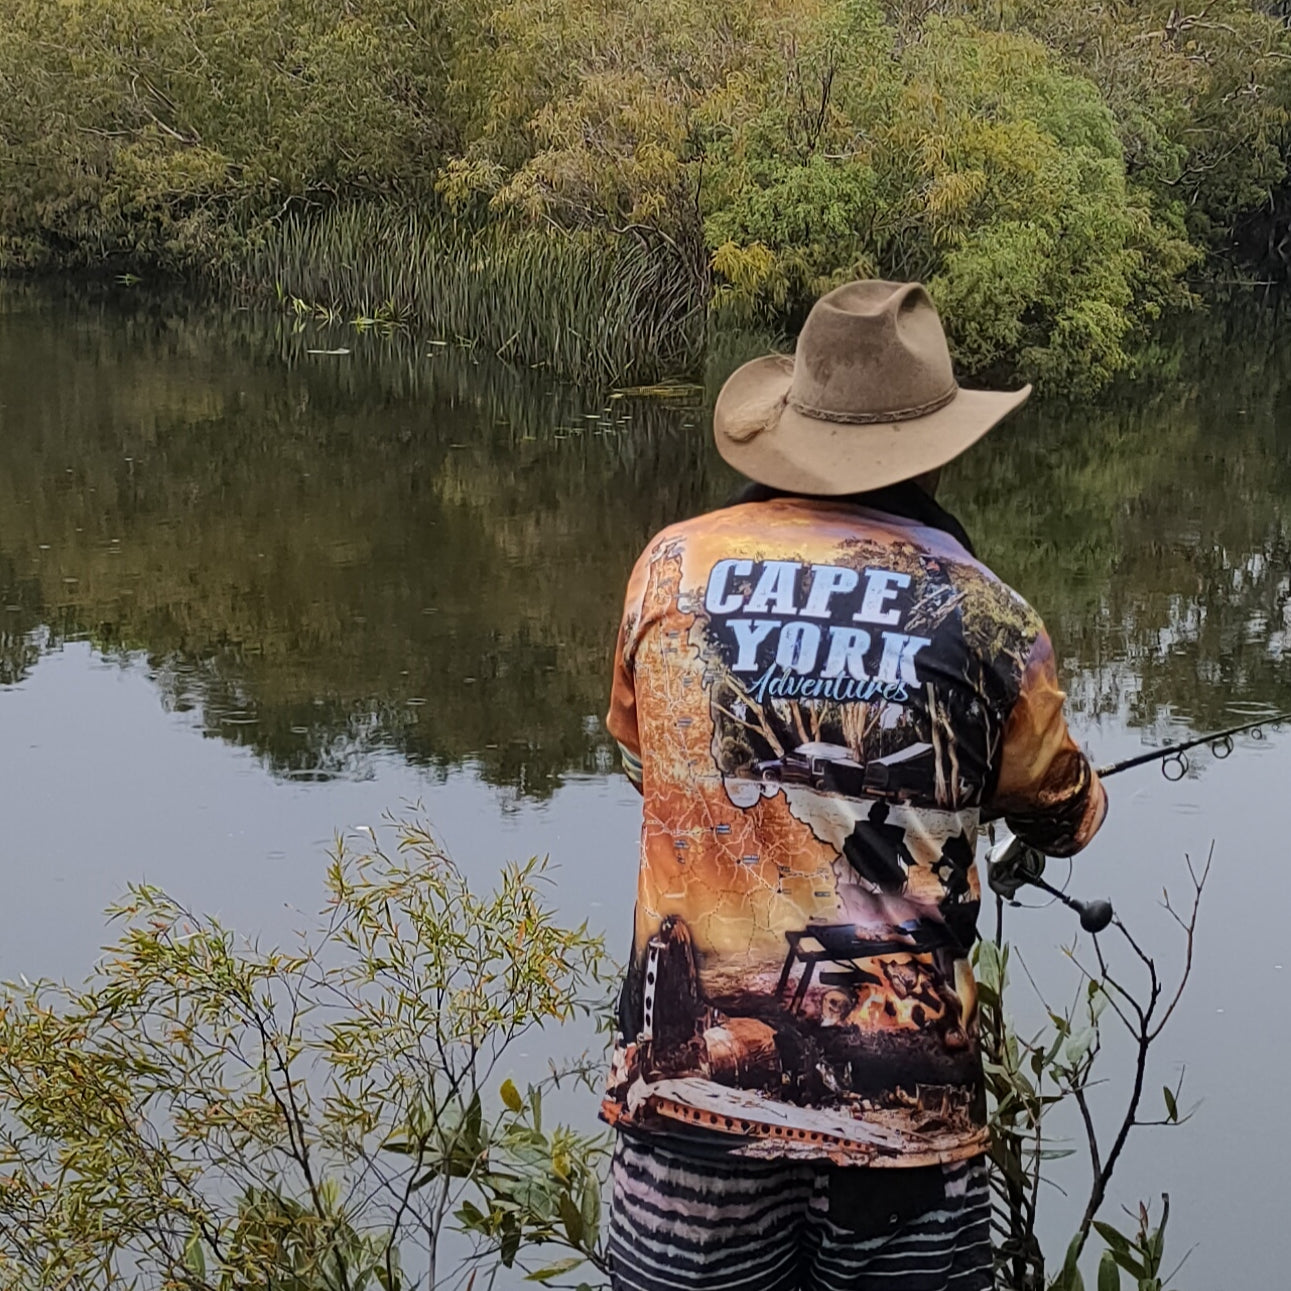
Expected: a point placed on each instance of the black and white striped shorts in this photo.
(695, 1221)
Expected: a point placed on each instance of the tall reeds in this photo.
(585, 305)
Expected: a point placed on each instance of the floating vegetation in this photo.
(661, 390)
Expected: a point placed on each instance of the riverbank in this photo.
(593, 186)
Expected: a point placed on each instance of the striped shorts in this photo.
(687, 1221)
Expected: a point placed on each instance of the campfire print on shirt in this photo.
(818, 712)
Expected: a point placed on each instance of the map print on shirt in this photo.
(819, 702)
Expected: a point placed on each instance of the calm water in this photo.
(250, 596)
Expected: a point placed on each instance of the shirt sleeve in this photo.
(1047, 792)
(621, 720)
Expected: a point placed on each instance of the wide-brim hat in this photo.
(868, 398)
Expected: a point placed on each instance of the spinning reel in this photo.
(1012, 864)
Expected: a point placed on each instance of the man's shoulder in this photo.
(717, 524)
(797, 526)
(992, 585)
(734, 518)
(794, 520)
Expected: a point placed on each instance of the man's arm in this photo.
(1047, 791)
(622, 717)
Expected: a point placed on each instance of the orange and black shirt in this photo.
(820, 704)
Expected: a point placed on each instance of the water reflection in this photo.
(341, 566)
(326, 558)
(1154, 533)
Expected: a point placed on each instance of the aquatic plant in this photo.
(582, 303)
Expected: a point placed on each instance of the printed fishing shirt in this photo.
(821, 704)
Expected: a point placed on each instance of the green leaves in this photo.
(1109, 1275)
(1120, 1250)
(195, 1256)
(1069, 1278)
(1171, 1105)
(1025, 1078)
(191, 115)
(1140, 1256)
(1035, 165)
(297, 1113)
(510, 1095)
(542, 1188)
(553, 1271)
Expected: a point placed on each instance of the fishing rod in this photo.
(1011, 863)
(1173, 759)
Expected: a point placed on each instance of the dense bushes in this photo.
(1051, 169)
(1200, 93)
(167, 130)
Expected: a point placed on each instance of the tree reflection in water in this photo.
(324, 557)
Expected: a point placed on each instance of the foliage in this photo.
(206, 1114)
(1052, 170)
(167, 131)
(578, 301)
(542, 1190)
(1200, 94)
(789, 148)
(1029, 1079)
(988, 171)
(209, 1115)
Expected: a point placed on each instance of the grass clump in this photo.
(582, 302)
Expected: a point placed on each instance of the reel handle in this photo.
(1094, 915)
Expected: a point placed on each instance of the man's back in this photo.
(822, 701)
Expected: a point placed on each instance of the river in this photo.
(251, 596)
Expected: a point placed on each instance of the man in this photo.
(822, 694)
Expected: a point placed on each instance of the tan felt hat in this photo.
(869, 398)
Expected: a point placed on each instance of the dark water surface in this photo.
(250, 596)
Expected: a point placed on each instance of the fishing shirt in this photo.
(821, 703)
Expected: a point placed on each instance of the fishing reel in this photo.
(1012, 864)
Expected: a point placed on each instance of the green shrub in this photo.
(207, 1114)
(158, 131)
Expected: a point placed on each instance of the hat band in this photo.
(873, 418)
